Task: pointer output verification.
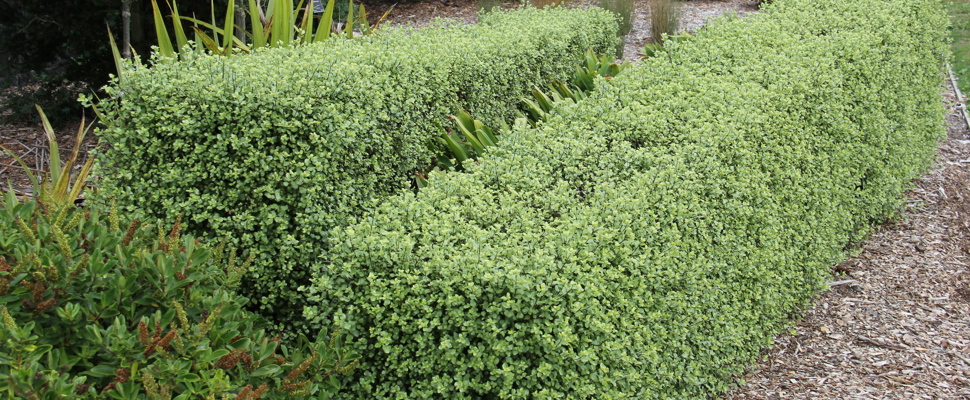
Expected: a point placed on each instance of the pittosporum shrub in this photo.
(649, 240)
(91, 309)
(278, 147)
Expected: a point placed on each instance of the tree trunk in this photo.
(126, 28)
(240, 20)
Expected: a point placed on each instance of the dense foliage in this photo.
(647, 241)
(91, 309)
(278, 147)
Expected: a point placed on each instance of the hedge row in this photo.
(276, 148)
(647, 242)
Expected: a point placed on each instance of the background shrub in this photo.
(277, 148)
(625, 11)
(60, 98)
(648, 241)
(50, 42)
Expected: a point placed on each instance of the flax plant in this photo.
(279, 24)
(56, 186)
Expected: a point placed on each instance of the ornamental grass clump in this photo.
(625, 11)
(664, 19)
(648, 241)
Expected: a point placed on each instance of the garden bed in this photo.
(899, 330)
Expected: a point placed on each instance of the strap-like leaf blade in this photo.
(164, 41)
(259, 37)
(326, 23)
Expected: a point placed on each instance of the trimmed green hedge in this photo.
(647, 242)
(276, 148)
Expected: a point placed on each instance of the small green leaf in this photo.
(215, 355)
(265, 371)
(267, 350)
(101, 371)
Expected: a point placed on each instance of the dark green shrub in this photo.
(648, 241)
(58, 98)
(91, 310)
(50, 42)
(66, 39)
(278, 147)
